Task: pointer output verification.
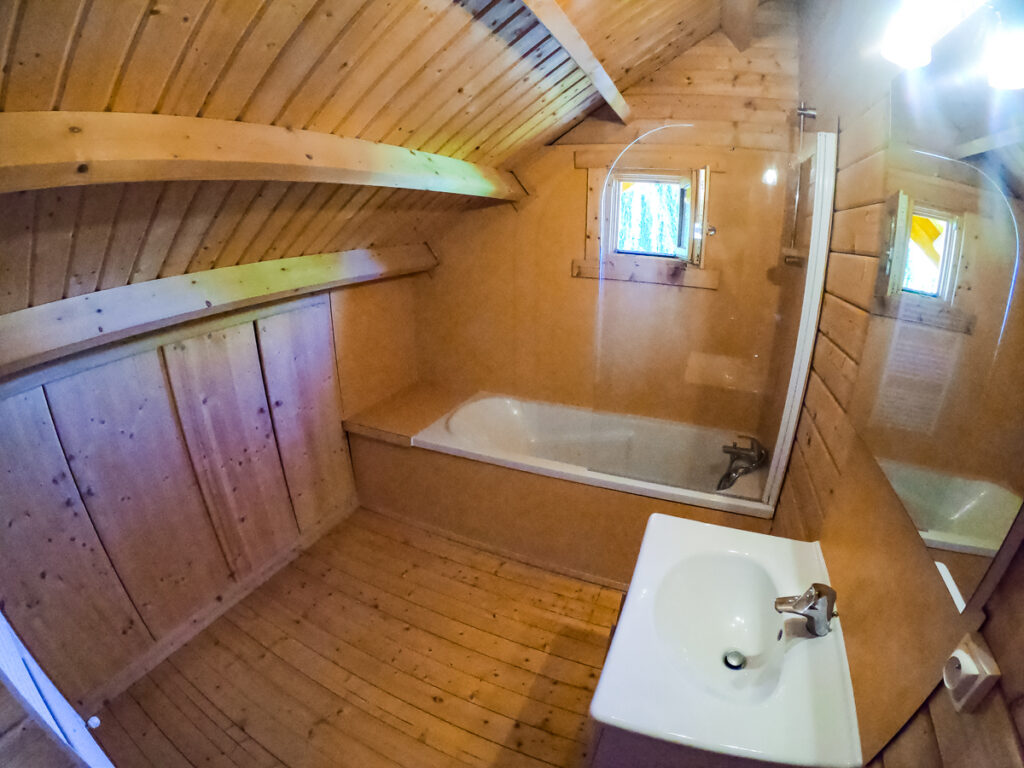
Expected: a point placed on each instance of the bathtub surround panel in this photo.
(557, 524)
(647, 457)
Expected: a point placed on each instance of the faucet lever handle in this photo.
(829, 594)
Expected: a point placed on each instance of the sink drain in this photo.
(734, 660)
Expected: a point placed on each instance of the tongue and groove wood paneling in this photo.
(144, 489)
(480, 80)
(52, 558)
(218, 387)
(120, 434)
(58, 243)
(305, 403)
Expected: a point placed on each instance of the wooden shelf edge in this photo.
(41, 334)
(647, 269)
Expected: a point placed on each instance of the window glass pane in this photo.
(924, 254)
(649, 217)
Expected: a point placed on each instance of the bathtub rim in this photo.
(431, 438)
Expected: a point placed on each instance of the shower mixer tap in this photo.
(744, 459)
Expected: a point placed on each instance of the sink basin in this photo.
(700, 657)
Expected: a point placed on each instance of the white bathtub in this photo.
(649, 457)
(954, 513)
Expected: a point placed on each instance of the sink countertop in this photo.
(698, 591)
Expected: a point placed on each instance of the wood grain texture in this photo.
(28, 745)
(222, 404)
(55, 149)
(985, 736)
(298, 355)
(125, 450)
(42, 334)
(551, 15)
(321, 662)
(915, 745)
(476, 80)
(59, 589)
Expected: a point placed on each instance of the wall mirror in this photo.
(938, 397)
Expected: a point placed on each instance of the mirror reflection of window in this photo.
(925, 252)
(931, 257)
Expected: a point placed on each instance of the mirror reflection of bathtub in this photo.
(645, 456)
(954, 513)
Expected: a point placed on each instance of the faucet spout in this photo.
(817, 605)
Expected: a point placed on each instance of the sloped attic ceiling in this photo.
(474, 79)
(480, 80)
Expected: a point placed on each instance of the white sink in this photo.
(698, 592)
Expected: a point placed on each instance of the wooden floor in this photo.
(382, 645)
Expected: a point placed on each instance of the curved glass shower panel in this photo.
(696, 327)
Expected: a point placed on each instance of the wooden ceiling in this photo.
(479, 80)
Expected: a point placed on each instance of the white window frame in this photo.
(950, 259)
(697, 230)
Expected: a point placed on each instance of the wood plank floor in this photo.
(382, 645)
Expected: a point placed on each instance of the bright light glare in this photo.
(771, 177)
(1004, 58)
(918, 24)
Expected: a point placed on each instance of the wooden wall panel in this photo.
(218, 389)
(121, 436)
(39, 54)
(297, 349)
(16, 241)
(92, 238)
(558, 524)
(375, 334)
(56, 214)
(57, 585)
(28, 745)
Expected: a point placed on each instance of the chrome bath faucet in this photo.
(742, 459)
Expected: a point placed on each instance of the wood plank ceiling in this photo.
(480, 80)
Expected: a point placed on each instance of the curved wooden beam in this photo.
(56, 149)
(38, 335)
(551, 15)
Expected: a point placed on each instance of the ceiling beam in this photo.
(738, 21)
(44, 333)
(993, 141)
(551, 15)
(56, 149)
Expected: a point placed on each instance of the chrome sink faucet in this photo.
(817, 605)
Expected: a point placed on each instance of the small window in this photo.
(925, 254)
(653, 217)
(658, 214)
